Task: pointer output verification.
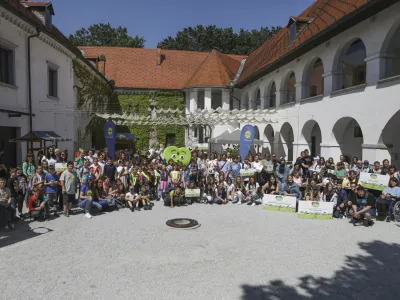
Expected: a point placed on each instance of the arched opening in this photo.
(289, 89)
(392, 65)
(390, 139)
(314, 81)
(257, 137)
(352, 66)
(285, 145)
(272, 96)
(311, 133)
(349, 136)
(269, 137)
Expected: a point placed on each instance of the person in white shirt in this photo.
(252, 192)
(131, 198)
(50, 157)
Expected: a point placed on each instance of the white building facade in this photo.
(341, 97)
(53, 95)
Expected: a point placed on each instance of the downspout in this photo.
(30, 82)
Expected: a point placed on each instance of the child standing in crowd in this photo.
(22, 190)
(6, 204)
(68, 185)
(50, 182)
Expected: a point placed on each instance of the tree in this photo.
(225, 40)
(105, 35)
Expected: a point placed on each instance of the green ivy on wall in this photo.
(139, 104)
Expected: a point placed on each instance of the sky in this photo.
(158, 19)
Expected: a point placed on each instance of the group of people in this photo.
(96, 182)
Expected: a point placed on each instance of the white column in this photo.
(193, 101)
(375, 67)
(264, 102)
(207, 99)
(226, 96)
(329, 77)
(299, 91)
(187, 102)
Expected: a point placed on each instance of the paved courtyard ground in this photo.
(239, 252)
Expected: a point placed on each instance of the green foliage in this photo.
(225, 40)
(105, 35)
(139, 103)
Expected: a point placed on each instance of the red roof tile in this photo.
(137, 68)
(324, 14)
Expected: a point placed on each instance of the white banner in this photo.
(374, 181)
(280, 203)
(60, 167)
(315, 210)
(247, 172)
(192, 193)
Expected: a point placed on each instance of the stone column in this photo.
(299, 91)
(207, 99)
(375, 67)
(193, 101)
(187, 102)
(226, 97)
(329, 78)
(264, 102)
(281, 97)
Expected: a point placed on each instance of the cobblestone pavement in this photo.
(238, 252)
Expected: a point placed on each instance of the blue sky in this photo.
(158, 19)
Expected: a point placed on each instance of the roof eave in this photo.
(348, 21)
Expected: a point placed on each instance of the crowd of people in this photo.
(95, 182)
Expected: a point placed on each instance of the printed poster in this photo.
(60, 167)
(280, 203)
(315, 210)
(247, 172)
(192, 193)
(374, 181)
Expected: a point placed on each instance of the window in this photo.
(7, 66)
(170, 139)
(216, 99)
(258, 100)
(272, 95)
(292, 33)
(53, 82)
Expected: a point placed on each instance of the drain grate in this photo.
(182, 223)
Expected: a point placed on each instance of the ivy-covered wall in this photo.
(139, 104)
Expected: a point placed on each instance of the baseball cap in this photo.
(366, 162)
(90, 177)
(131, 187)
(51, 167)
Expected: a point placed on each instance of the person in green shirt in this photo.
(28, 167)
(340, 171)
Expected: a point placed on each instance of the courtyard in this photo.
(238, 252)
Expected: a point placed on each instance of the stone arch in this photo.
(390, 140)
(271, 95)
(288, 88)
(311, 134)
(257, 99)
(391, 51)
(269, 138)
(349, 136)
(313, 79)
(285, 144)
(245, 101)
(349, 65)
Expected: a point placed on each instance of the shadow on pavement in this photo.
(374, 275)
(21, 232)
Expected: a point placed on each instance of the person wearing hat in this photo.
(363, 207)
(131, 199)
(365, 167)
(86, 196)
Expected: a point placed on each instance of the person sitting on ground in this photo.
(389, 194)
(340, 171)
(271, 187)
(37, 207)
(86, 197)
(312, 192)
(95, 169)
(144, 198)
(341, 203)
(5, 203)
(117, 192)
(365, 167)
(230, 188)
(102, 197)
(377, 168)
(289, 188)
(131, 199)
(363, 207)
(220, 194)
(329, 195)
(175, 197)
(385, 167)
(393, 172)
(239, 191)
(207, 196)
(252, 189)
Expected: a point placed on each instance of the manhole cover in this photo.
(182, 223)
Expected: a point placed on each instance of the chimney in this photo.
(101, 64)
(158, 56)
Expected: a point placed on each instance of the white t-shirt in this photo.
(51, 161)
(130, 196)
(211, 165)
(257, 166)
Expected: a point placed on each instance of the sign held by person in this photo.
(374, 181)
(315, 210)
(192, 193)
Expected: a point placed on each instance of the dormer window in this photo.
(48, 18)
(296, 26)
(43, 11)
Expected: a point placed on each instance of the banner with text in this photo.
(247, 172)
(315, 210)
(246, 140)
(110, 135)
(60, 167)
(374, 181)
(192, 193)
(279, 203)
